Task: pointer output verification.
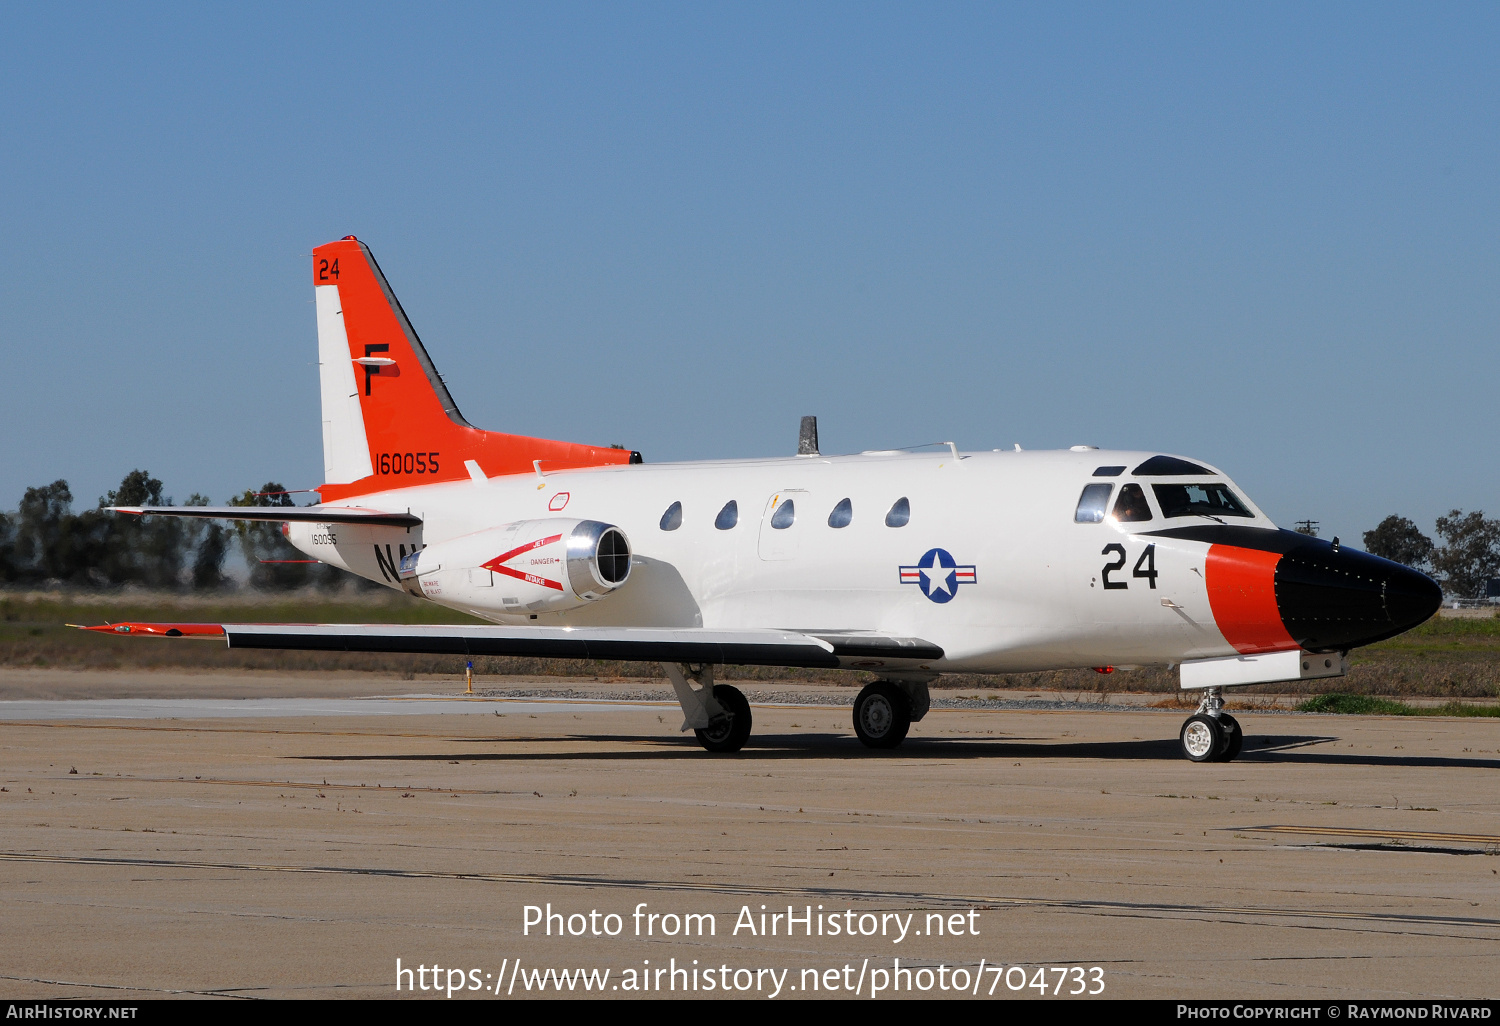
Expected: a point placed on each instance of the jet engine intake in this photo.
(598, 559)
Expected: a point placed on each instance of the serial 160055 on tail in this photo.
(908, 564)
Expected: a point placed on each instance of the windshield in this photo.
(1132, 507)
(1211, 499)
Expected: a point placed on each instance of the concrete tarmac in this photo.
(167, 848)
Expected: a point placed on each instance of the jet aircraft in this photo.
(904, 563)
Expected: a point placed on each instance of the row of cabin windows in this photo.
(786, 514)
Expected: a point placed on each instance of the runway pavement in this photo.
(296, 841)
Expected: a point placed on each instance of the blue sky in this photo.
(1265, 236)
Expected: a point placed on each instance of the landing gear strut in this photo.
(1211, 734)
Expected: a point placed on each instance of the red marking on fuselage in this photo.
(528, 578)
(1242, 594)
(496, 565)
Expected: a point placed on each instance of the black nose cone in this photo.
(1411, 597)
(1342, 598)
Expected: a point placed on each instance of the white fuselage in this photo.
(1027, 594)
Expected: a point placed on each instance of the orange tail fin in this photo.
(388, 420)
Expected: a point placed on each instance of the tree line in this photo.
(46, 541)
(1466, 560)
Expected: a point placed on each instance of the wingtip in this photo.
(159, 630)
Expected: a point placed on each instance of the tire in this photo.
(731, 733)
(1202, 740)
(882, 715)
(1234, 738)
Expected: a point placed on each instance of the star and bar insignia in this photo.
(938, 574)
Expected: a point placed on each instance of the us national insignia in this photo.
(938, 574)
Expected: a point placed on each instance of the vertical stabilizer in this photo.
(388, 419)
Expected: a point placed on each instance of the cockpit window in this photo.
(842, 514)
(1131, 507)
(728, 516)
(1109, 471)
(1169, 466)
(1210, 499)
(1092, 504)
(671, 520)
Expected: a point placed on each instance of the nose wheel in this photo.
(1201, 738)
(1234, 738)
(1210, 734)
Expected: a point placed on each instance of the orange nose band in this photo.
(1242, 594)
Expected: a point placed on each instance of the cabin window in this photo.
(728, 516)
(671, 520)
(1131, 507)
(785, 515)
(1092, 504)
(1209, 499)
(842, 514)
(900, 513)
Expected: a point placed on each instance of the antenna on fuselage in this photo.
(807, 438)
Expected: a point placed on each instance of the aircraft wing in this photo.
(281, 514)
(828, 649)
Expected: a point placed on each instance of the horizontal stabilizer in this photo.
(631, 644)
(280, 514)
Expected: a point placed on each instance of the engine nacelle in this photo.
(531, 566)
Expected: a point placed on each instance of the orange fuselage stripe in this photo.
(1242, 593)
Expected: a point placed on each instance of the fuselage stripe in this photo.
(1242, 593)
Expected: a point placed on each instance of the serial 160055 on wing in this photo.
(905, 563)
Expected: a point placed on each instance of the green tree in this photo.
(7, 547)
(209, 541)
(1470, 553)
(44, 542)
(123, 548)
(1397, 538)
(263, 544)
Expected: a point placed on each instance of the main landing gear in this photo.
(886, 709)
(729, 732)
(717, 714)
(1211, 734)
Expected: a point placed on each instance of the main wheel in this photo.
(882, 715)
(1201, 738)
(730, 733)
(1234, 738)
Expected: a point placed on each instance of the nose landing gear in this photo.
(1211, 734)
